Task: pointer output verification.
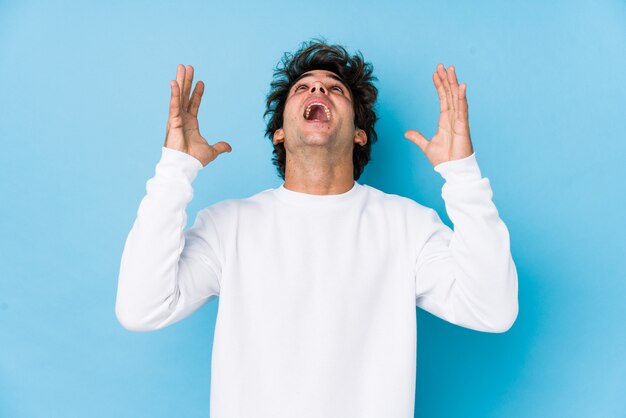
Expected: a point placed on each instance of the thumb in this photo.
(417, 138)
(222, 147)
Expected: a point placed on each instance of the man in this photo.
(318, 279)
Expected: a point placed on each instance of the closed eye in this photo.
(335, 87)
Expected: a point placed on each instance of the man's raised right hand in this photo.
(183, 133)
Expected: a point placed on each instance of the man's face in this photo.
(319, 111)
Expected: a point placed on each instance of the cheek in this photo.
(350, 116)
(290, 111)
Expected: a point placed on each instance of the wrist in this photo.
(462, 169)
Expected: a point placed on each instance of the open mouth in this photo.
(317, 112)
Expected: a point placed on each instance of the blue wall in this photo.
(84, 95)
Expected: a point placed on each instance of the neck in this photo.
(319, 173)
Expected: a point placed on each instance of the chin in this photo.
(316, 139)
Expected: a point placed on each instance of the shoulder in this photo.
(233, 206)
(401, 212)
(391, 201)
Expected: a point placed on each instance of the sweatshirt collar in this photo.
(316, 200)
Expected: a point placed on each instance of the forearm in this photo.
(469, 272)
(484, 265)
(147, 285)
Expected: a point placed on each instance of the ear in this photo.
(360, 137)
(279, 136)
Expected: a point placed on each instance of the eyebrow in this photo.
(333, 76)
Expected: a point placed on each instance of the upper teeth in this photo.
(308, 110)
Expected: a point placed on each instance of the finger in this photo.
(463, 112)
(187, 86)
(196, 98)
(441, 71)
(443, 101)
(222, 147)
(454, 85)
(174, 101)
(417, 138)
(180, 77)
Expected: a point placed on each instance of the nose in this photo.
(317, 85)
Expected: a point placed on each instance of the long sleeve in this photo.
(467, 276)
(167, 273)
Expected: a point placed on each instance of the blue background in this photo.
(84, 99)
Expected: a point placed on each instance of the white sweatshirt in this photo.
(317, 293)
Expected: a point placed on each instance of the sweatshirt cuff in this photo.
(460, 170)
(178, 164)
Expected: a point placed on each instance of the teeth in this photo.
(308, 110)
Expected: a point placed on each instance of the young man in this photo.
(318, 279)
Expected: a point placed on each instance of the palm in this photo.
(452, 140)
(183, 132)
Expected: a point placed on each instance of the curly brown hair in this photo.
(317, 54)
